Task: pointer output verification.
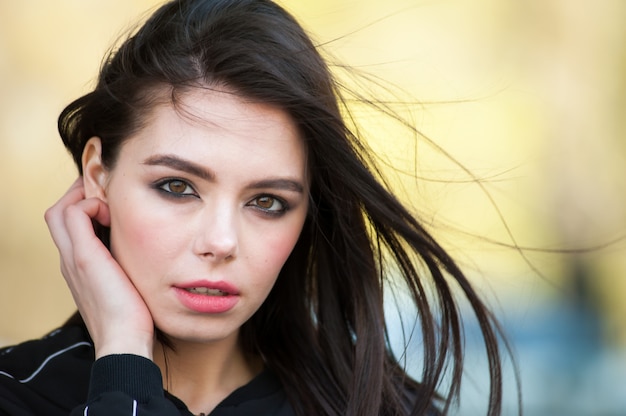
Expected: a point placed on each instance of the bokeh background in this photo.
(519, 168)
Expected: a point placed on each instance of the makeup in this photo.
(207, 297)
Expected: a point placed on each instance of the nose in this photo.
(217, 235)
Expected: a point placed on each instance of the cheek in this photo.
(278, 247)
(280, 250)
(136, 238)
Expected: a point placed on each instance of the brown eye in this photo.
(265, 202)
(269, 204)
(176, 187)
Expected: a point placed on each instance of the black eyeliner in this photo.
(158, 186)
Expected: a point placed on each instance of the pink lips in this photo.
(208, 303)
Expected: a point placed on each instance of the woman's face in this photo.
(207, 202)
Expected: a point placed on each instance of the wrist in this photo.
(126, 345)
(129, 374)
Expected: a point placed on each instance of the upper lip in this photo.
(218, 285)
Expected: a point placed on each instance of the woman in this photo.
(227, 244)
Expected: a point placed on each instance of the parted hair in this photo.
(322, 329)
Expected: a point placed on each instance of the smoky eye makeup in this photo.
(175, 188)
(270, 205)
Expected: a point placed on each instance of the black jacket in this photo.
(57, 376)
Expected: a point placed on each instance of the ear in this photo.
(95, 175)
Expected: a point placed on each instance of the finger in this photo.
(96, 209)
(75, 193)
(54, 216)
(78, 222)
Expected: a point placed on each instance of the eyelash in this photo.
(162, 184)
(270, 212)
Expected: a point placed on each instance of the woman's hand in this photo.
(116, 316)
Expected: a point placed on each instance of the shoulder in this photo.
(64, 348)
(51, 371)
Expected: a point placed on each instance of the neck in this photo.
(204, 374)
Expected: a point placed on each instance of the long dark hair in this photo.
(322, 329)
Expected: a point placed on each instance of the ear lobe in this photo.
(95, 175)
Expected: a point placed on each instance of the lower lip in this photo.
(206, 303)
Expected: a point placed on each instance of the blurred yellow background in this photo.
(530, 97)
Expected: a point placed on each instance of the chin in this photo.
(197, 334)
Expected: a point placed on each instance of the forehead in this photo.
(218, 108)
(205, 123)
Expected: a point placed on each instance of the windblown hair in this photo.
(322, 329)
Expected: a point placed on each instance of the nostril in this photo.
(218, 254)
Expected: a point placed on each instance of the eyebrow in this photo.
(284, 184)
(177, 163)
(183, 165)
